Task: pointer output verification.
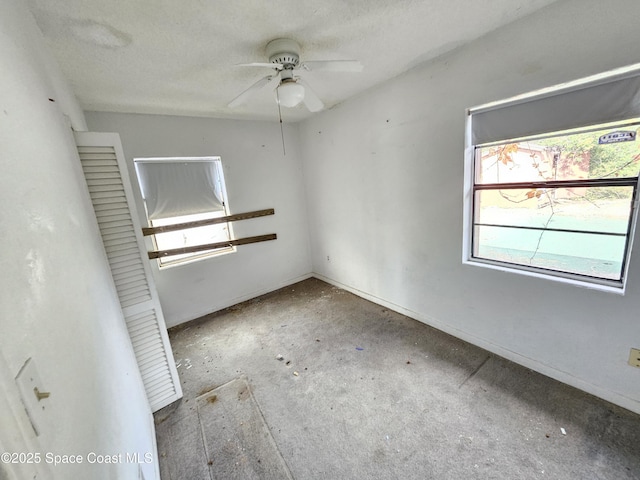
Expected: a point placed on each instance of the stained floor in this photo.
(361, 392)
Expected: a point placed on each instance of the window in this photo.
(183, 190)
(551, 182)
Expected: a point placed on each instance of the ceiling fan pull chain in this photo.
(284, 151)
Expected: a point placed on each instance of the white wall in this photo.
(384, 182)
(58, 305)
(257, 176)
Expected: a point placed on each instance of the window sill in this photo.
(195, 259)
(599, 285)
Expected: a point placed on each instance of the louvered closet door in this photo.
(106, 173)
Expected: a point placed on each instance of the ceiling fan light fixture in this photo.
(290, 93)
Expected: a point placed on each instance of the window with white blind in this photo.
(185, 190)
(551, 181)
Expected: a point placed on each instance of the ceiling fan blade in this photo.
(333, 66)
(279, 66)
(274, 82)
(311, 100)
(244, 96)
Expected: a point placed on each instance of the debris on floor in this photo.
(511, 413)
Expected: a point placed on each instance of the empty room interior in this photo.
(312, 240)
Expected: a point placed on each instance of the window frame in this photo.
(185, 259)
(470, 211)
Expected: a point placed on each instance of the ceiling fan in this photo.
(284, 58)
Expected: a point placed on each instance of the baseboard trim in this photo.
(561, 376)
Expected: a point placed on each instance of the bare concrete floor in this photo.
(366, 393)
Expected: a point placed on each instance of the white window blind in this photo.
(594, 101)
(180, 186)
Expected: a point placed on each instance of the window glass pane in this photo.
(583, 254)
(565, 156)
(520, 226)
(589, 209)
(192, 236)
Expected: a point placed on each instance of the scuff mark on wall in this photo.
(39, 221)
(35, 276)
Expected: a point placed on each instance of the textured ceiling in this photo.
(179, 57)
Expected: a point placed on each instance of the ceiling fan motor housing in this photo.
(284, 51)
